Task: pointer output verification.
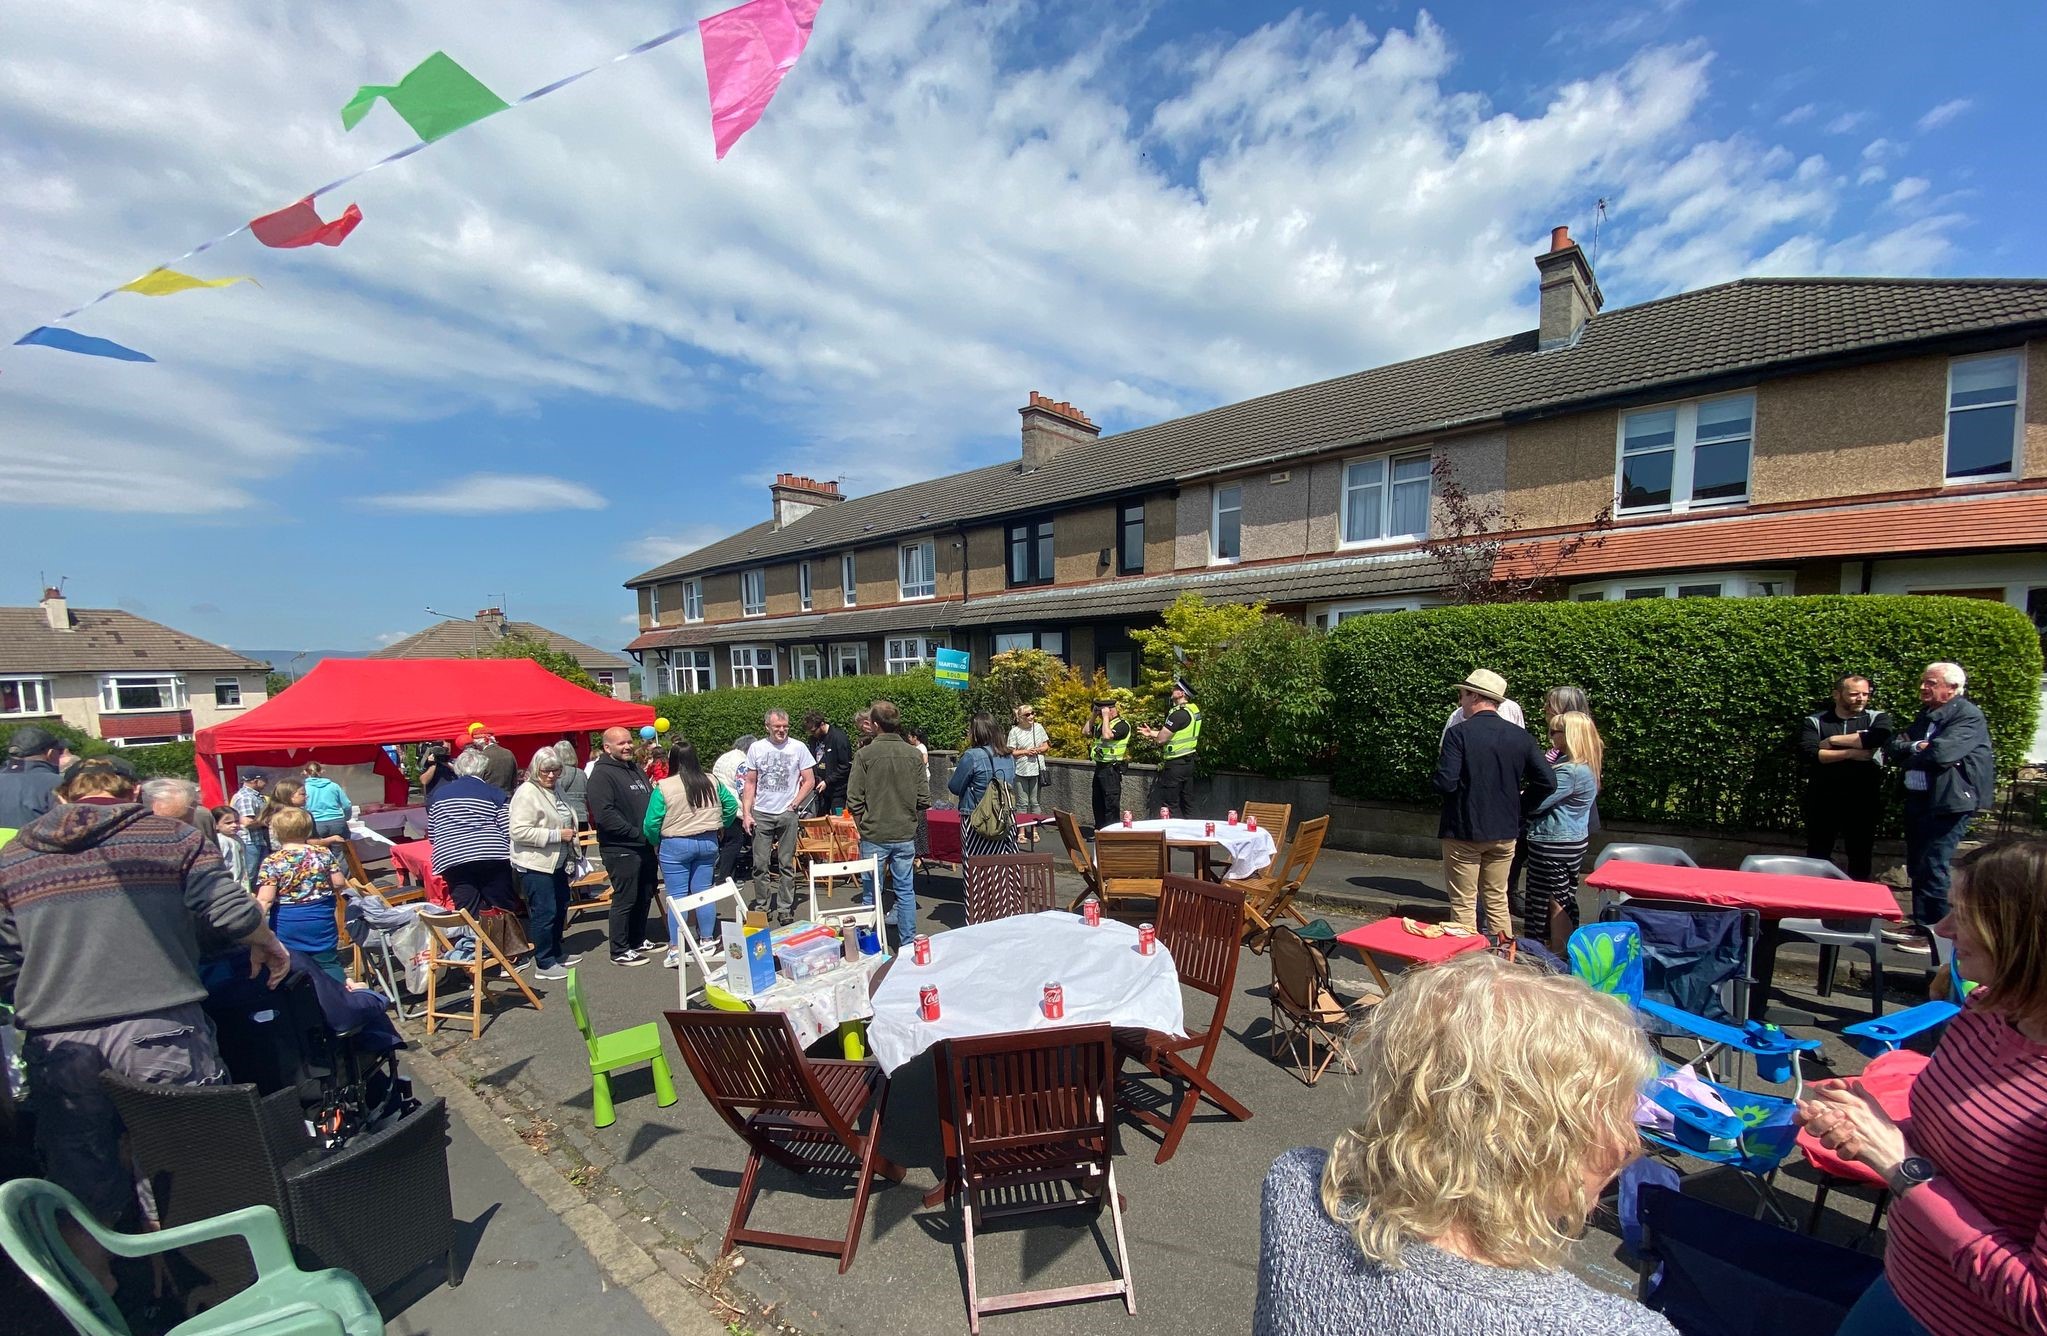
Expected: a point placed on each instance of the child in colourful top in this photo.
(297, 885)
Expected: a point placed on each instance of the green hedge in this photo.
(1698, 699)
(170, 759)
(712, 719)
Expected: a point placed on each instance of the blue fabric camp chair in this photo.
(1714, 1272)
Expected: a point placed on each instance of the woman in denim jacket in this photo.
(1559, 829)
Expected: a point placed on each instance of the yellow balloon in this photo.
(661, 725)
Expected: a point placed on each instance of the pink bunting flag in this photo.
(300, 225)
(747, 50)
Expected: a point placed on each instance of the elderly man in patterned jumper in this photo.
(102, 903)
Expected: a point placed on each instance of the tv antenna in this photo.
(1598, 218)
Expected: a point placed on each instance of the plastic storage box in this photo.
(808, 958)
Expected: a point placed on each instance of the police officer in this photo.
(1111, 743)
(1180, 734)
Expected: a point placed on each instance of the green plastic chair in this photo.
(284, 1301)
(621, 1048)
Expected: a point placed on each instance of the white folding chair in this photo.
(868, 871)
(709, 957)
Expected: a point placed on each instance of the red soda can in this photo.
(1165, 814)
(920, 949)
(1210, 829)
(1126, 816)
(927, 1001)
(1091, 912)
(1055, 1002)
(1251, 823)
(1233, 816)
(1147, 939)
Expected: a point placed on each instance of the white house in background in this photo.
(120, 677)
(455, 638)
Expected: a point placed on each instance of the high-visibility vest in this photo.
(1185, 740)
(1109, 751)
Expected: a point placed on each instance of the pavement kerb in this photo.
(670, 1302)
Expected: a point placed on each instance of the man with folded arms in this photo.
(1490, 772)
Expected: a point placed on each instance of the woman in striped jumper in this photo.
(1559, 828)
(1968, 1223)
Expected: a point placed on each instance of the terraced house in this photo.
(1761, 437)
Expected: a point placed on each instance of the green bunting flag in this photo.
(437, 98)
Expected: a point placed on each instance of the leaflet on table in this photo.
(749, 959)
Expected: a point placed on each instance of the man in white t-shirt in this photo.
(777, 778)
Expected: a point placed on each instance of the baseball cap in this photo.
(29, 740)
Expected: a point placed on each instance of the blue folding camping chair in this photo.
(1714, 1272)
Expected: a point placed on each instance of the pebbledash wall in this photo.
(1394, 829)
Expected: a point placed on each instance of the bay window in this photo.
(907, 652)
(753, 665)
(157, 691)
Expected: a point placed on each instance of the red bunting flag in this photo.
(300, 225)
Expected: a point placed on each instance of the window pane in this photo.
(1655, 591)
(1019, 558)
(1719, 471)
(1647, 431)
(227, 692)
(1411, 469)
(1987, 380)
(1361, 513)
(1053, 643)
(1979, 441)
(1726, 417)
(1130, 559)
(1698, 591)
(1229, 515)
(1645, 479)
(1410, 516)
(1045, 566)
(1121, 667)
(1012, 640)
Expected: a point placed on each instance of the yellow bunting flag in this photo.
(164, 282)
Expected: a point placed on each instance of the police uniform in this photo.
(1176, 775)
(1109, 751)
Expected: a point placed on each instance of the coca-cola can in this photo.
(1126, 816)
(1251, 823)
(1147, 939)
(1055, 1002)
(927, 1001)
(1233, 816)
(1165, 814)
(1209, 829)
(920, 949)
(1091, 912)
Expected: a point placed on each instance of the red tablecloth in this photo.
(1769, 894)
(414, 861)
(1889, 1078)
(1390, 937)
(942, 835)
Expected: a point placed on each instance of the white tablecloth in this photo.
(816, 1005)
(991, 978)
(1249, 851)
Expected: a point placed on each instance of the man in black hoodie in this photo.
(834, 755)
(617, 796)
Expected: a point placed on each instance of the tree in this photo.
(1470, 537)
(1014, 677)
(275, 683)
(1189, 635)
(559, 662)
(1265, 702)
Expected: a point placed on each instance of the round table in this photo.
(991, 979)
(1250, 851)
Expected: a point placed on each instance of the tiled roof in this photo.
(457, 637)
(1288, 582)
(107, 640)
(1886, 529)
(1741, 329)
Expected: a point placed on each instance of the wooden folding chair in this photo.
(1129, 865)
(592, 890)
(485, 958)
(828, 840)
(1305, 1010)
(1270, 898)
(814, 842)
(1002, 885)
(803, 1113)
(1274, 819)
(1199, 922)
(1030, 1130)
(1077, 852)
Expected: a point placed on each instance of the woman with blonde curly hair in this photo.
(1498, 1103)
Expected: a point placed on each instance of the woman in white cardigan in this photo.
(543, 835)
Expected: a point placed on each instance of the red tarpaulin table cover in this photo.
(1770, 894)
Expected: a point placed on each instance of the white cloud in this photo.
(1847, 122)
(495, 494)
(1870, 175)
(1911, 187)
(1798, 115)
(1945, 112)
(654, 549)
(391, 637)
(917, 233)
(1881, 150)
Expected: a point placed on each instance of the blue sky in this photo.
(566, 344)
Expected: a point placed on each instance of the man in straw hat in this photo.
(1489, 772)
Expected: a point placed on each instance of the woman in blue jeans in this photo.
(685, 814)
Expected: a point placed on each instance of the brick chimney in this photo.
(1570, 294)
(56, 609)
(1052, 425)
(492, 620)
(796, 496)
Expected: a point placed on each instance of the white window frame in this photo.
(26, 686)
(1033, 639)
(1684, 443)
(849, 579)
(1384, 483)
(806, 664)
(1329, 616)
(690, 671)
(2017, 405)
(753, 582)
(692, 600)
(110, 692)
(606, 680)
(927, 551)
(149, 741)
(902, 654)
(1215, 513)
(803, 584)
(856, 651)
(233, 684)
(654, 604)
(749, 662)
(1667, 584)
